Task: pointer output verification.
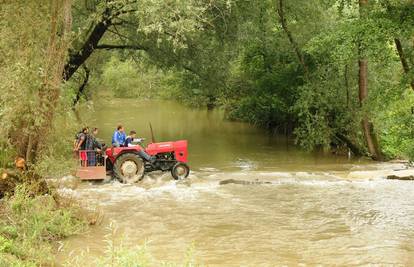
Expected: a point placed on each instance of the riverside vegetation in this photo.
(331, 73)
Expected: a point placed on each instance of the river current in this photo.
(291, 208)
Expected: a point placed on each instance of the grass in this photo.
(117, 254)
(6, 156)
(31, 225)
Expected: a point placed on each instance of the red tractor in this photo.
(129, 164)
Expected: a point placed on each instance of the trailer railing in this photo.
(91, 158)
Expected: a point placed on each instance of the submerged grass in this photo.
(31, 225)
(118, 254)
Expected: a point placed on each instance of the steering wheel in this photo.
(139, 140)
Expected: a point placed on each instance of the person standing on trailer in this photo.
(92, 146)
(80, 145)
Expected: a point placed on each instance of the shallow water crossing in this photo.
(290, 207)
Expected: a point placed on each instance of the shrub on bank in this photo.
(29, 225)
(397, 130)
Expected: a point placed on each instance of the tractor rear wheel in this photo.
(180, 171)
(129, 168)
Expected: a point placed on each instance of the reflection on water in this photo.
(315, 209)
(213, 141)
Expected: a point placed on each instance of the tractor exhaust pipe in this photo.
(152, 133)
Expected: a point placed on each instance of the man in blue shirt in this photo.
(119, 136)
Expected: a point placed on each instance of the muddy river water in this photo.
(315, 209)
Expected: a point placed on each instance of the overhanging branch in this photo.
(82, 87)
(403, 59)
(110, 47)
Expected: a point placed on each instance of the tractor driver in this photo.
(129, 143)
(130, 138)
(118, 138)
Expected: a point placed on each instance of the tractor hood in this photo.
(178, 147)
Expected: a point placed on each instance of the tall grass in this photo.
(118, 254)
(6, 156)
(29, 226)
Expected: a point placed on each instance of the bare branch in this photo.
(110, 47)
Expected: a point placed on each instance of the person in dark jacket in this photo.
(80, 145)
(129, 143)
(130, 138)
(80, 141)
(92, 146)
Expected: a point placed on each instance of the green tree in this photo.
(34, 42)
(163, 29)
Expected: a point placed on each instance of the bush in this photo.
(30, 224)
(397, 131)
(127, 79)
(7, 154)
(268, 111)
(57, 158)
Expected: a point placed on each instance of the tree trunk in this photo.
(48, 94)
(283, 22)
(81, 88)
(346, 78)
(79, 57)
(403, 59)
(355, 149)
(363, 79)
(367, 126)
(263, 35)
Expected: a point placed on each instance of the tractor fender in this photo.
(114, 152)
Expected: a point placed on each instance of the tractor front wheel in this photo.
(180, 171)
(129, 168)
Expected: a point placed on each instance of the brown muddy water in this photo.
(316, 209)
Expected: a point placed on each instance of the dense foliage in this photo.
(34, 38)
(331, 72)
(293, 67)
